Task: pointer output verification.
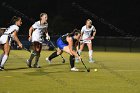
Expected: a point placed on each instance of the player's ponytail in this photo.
(14, 20)
(74, 32)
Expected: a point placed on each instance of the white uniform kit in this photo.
(38, 32)
(86, 38)
(87, 33)
(8, 34)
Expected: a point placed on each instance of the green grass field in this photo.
(118, 72)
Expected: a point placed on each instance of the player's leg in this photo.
(38, 47)
(33, 54)
(53, 55)
(81, 48)
(72, 59)
(59, 51)
(6, 50)
(1, 56)
(90, 52)
(79, 51)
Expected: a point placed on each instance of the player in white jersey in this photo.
(5, 40)
(36, 36)
(88, 33)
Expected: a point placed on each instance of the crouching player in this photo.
(67, 43)
(5, 40)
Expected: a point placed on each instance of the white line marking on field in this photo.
(22, 71)
(127, 70)
(8, 76)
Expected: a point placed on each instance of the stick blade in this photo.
(88, 70)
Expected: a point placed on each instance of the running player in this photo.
(36, 36)
(67, 43)
(88, 33)
(5, 40)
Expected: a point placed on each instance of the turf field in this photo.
(118, 72)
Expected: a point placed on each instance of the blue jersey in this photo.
(62, 42)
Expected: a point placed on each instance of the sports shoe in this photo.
(91, 60)
(28, 63)
(74, 69)
(1, 68)
(49, 61)
(36, 66)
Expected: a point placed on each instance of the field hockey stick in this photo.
(24, 48)
(56, 50)
(88, 69)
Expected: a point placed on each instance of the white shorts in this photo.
(85, 41)
(4, 38)
(36, 37)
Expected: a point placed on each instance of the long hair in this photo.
(14, 20)
(74, 32)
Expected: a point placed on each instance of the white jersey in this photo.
(87, 32)
(8, 34)
(11, 29)
(38, 32)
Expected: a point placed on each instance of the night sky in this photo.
(63, 17)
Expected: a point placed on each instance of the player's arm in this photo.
(15, 34)
(30, 33)
(94, 33)
(77, 45)
(81, 35)
(47, 34)
(70, 41)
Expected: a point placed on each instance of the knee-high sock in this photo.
(53, 55)
(4, 59)
(90, 53)
(72, 58)
(37, 59)
(1, 56)
(33, 54)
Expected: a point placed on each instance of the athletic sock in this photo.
(33, 54)
(72, 58)
(53, 55)
(90, 54)
(37, 59)
(1, 56)
(4, 59)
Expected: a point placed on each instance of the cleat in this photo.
(1, 68)
(49, 61)
(36, 66)
(74, 69)
(28, 63)
(91, 60)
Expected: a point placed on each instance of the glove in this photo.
(30, 38)
(20, 46)
(48, 37)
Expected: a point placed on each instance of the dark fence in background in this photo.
(100, 43)
(130, 44)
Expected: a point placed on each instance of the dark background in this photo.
(63, 17)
